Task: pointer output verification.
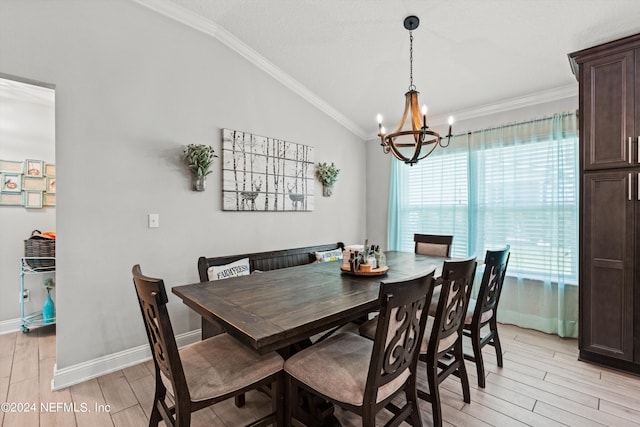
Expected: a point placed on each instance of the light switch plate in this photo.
(154, 220)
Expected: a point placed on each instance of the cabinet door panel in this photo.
(636, 128)
(608, 109)
(606, 288)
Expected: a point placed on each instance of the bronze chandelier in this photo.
(415, 143)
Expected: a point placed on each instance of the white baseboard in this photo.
(11, 325)
(84, 371)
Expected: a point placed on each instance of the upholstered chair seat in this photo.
(220, 365)
(484, 317)
(444, 343)
(338, 367)
(368, 330)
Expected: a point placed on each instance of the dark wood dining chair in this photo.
(441, 348)
(363, 375)
(425, 244)
(203, 373)
(483, 311)
(432, 244)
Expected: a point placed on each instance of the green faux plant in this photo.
(199, 158)
(49, 284)
(327, 174)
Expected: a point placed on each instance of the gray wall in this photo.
(132, 88)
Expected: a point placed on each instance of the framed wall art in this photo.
(49, 199)
(11, 199)
(33, 183)
(11, 166)
(265, 174)
(34, 168)
(11, 183)
(29, 183)
(51, 184)
(49, 169)
(33, 199)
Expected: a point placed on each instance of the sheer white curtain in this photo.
(431, 197)
(516, 185)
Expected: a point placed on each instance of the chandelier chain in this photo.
(411, 86)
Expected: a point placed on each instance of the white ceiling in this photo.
(351, 57)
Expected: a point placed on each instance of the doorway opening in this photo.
(27, 203)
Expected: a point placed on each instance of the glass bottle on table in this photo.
(376, 253)
(371, 259)
(382, 259)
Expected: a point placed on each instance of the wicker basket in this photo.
(38, 246)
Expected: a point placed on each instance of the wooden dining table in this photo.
(276, 309)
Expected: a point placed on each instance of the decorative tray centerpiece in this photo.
(364, 260)
(371, 272)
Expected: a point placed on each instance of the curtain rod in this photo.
(514, 124)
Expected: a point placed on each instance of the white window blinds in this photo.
(515, 185)
(437, 200)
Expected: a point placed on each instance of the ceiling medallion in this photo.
(407, 144)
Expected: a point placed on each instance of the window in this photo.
(516, 185)
(437, 201)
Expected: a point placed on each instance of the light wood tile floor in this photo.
(541, 384)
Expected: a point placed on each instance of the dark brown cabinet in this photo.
(609, 112)
(606, 285)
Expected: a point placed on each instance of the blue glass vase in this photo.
(48, 309)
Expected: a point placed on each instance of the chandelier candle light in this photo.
(407, 144)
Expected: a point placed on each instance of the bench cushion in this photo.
(233, 269)
(326, 256)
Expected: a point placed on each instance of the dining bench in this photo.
(260, 261)
(268, 260)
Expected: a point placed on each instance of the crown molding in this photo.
(197, 22)
(528, 100)
(523, 101)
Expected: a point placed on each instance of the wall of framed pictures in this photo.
(29, 183)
